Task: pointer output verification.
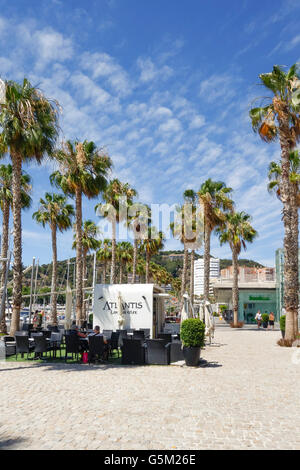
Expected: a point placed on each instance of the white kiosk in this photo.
(123, 306)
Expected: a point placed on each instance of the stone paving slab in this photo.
(245, 395)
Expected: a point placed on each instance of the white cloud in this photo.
(151, 72)
(103, 66)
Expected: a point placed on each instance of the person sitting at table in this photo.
(96, 332)
(75, 330)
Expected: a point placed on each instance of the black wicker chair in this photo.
(10, 345)
(56, 340)
(133, 351)
(72, 346)
(166, 336)
(146, 332)
(97, 348)
(157, 352)
(41, 346)
(107, 333)
(53, 328)
(23, 345)
(139, 334)
(176, 352)
(114, 342)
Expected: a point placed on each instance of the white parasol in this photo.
(69, 302)
(121, 319)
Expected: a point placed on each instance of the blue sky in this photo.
(166, 87)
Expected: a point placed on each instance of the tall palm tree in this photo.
(236, 231)
(57, 213)
(90, 242)
(190, 197)
(83, 171)
(115, 212)
(6, 198)
(104, 255)
(150, 246)
(124, 255)
(214, 199)
(279, 118)
(29, 129)
(275, 172)
(138, 218)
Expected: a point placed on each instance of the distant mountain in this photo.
(172, 261)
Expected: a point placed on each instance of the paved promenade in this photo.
(244, 396)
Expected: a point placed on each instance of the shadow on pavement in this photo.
(8, 443)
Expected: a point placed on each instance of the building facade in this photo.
(247, 274)
(199, 274)
(253, 296)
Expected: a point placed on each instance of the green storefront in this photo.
(250, 302)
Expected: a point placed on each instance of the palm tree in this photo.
(138, 223)
(124, 254)
(275, 171)
(83, 171)
(57, 213)
(29, 129)
(190, 197)
(89, 242)
(6, 198)
(104, 255)
(279, 118)
(214, 198)
(150, 246)
(115, 212)
(236, 231)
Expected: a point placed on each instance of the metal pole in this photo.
(35, 282)
(31, 288)
(4, 287)
(68, 271)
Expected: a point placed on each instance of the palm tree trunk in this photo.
(206, 261)
(54, 277)
(235, 287)
(135, 250)
(295, 230)
(104, 272)
(184, 275)
(290, 242)
(192, 276)
(79, 292)
(85, 251)
(147, 267)
(121, 273)
(17, 250)
(113, 253)
(4, 252)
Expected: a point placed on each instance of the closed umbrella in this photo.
(185, 309)
(69, 302)
(121, 319)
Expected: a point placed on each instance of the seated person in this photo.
(75, 331)
(96, 332)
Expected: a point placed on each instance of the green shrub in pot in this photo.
(265, 319)
(192, 333)
(282, 325)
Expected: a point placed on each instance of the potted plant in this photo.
(265, 320)
(282, 325)
(192, 336)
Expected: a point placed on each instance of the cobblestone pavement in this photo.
(245, 396)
